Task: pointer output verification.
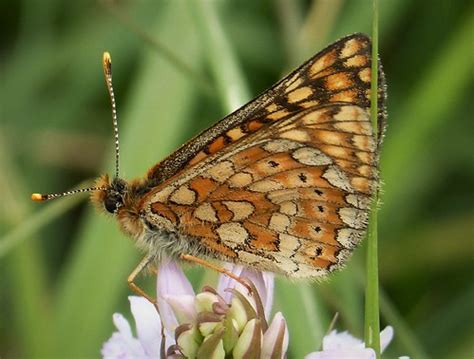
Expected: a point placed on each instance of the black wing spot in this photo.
(302, 177)
(321, 209)
(273, 164)
(319, 251)
(318, 192)
(317, 229)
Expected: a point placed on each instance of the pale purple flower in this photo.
(344, 346)
(123, 344)
(218, 322)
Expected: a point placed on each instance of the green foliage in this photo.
(63, 267)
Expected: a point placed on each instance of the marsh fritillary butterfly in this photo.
(283, 184)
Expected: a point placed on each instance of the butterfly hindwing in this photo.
(292, 199)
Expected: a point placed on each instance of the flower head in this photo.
(227, 321)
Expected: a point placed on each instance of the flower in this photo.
(215, 323)
(343, 345)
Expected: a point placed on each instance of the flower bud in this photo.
(249, 343)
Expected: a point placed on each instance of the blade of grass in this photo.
(25, 268)
(95, 279)
(38, 220)
(199, 79)
(306, 316)
(427, 106)
(231, 87)
(318, 23)
(372, 319)
(404, 334)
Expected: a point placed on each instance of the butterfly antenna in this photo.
(38, 197)
(107, 65)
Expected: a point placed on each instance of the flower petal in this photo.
(170, 281)
(122, 344)
(249, 343)
(263, 281)
(275, 339)
(183, 308)
(227, 282)
(352, 353)
(148, 324)
(386, 337)
(335, 340)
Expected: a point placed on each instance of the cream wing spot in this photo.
(241, 209)
(353, 217)
(277, 146)
(220, 172)
(235, 133)
(272, 108)
(299, 94)
(297, 81)
(330, 137)
(364, 75)
(278, 114)
(260, 262)
(296, 135)
(289, 244)
(309, 104)
(362, 127)
(163, 195)
(183, 195)
(365, 143)
(351, 47)
(288, 208)
(240, 180)
(312, 118)
(233, 234)
(338, 81)
(356, 61)
(322, 63)
(311, 157)
(349, 237)
(351, 113)
(337, 178)
(358, 201)
(206, 212)
(265, 186)
(279, 222)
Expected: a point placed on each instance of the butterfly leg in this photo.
(204, 263)
(131, 279)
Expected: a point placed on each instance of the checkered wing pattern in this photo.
(284, 183)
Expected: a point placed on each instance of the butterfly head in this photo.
(110, 194)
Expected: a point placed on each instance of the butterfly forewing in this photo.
(338, 74)
(284, 183)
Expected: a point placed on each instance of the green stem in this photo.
(372, 319)
(232, 89)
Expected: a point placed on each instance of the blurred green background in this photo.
(63, 266)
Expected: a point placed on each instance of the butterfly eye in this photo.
(112, 202)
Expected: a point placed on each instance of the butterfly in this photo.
(283, 184)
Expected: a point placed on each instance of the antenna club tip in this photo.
(38, 197)
(107, 62)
